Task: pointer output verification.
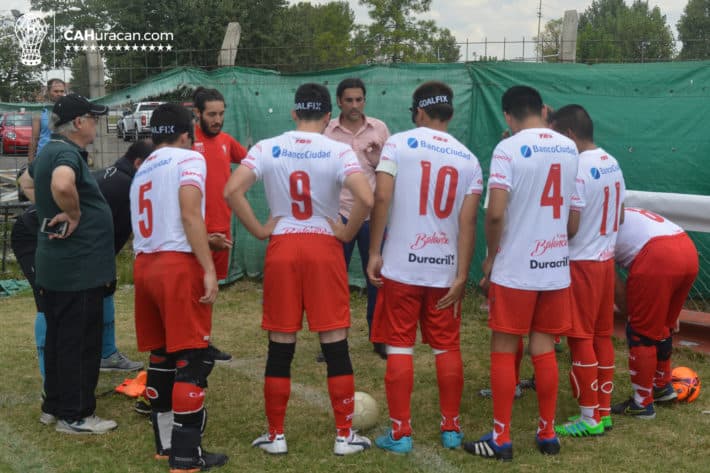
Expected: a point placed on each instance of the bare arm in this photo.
(34, 140)
(465, 247)
(573, 223)
(191, 215)
(359, 186)
(620, 295)
(66, 196)
(621, 217)
(384, 190)
(27, 184)
(235, 191)
(497, 203)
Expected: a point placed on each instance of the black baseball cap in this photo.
(72, 105)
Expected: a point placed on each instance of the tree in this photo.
(549, 45)
(611, 31)
(694, 30)
(396, 36)
(18, 83)
(316, 37)
(197, 28)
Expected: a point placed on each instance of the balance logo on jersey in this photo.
(543, 245)
(424, 239)
(596, 174)
(525, 151)
(412, 143)
(276, 151)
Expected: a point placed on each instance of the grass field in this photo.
(677, 440)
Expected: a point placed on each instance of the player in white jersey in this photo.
(531, 188)
(663, 264)
(431, 184)
(597, 214)
(175, 285)
(303, 173)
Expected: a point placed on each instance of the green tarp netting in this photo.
(649, 116)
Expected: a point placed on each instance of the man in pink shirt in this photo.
(365, 135)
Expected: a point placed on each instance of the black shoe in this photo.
(380, 349)
(142, 407)
(320, 357)
(204, 462)
(218, 355)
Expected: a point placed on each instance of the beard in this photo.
(206, 130)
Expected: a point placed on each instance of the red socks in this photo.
(642, 366)
(583, 376)
(503, 389)
(604, 348)
(449, 376)
(276, 393)
(342, 391)
(399, 382)
(546, 383)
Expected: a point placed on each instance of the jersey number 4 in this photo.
(552, 193)
(443, 205)
(300, 190)
(145, 208)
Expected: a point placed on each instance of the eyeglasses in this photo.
(94, 117)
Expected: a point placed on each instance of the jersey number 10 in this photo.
(442, 208)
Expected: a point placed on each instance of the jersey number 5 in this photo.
(552, 193)
(145, 207)
(300, 189)
(442, 207)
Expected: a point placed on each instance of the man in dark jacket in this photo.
(114, 183)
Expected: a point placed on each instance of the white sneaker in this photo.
(353, 444)
(87, 425)
(275, 445)
(47, 419)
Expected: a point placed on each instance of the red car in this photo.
(15, 132)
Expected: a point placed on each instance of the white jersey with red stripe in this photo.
(538, 167)
(639, 227)
(303, 173)
(601, 190)
(155, 206)
(433, 173)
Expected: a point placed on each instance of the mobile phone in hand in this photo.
(59, 229)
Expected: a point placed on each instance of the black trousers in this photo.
(72, 353)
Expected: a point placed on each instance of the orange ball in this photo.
(686, 383)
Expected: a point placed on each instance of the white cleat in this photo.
(273, 444)
(353, 444)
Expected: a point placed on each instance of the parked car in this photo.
(15, 132)
(135, 123)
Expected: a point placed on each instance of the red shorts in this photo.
(221, 263)
(401, 306)
(659, 281)
(305, 272)
(592, 299)
(168, 287)
(519, 311)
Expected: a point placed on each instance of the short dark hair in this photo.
(438, 109)
(312, 101)
(141, 149)
(51, 82)
(202, 95)
(574, 117)
(168, 122)
(350, 83)
(522, 101)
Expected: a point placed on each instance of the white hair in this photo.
(64, 128)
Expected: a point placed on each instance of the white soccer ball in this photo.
(366, 411)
